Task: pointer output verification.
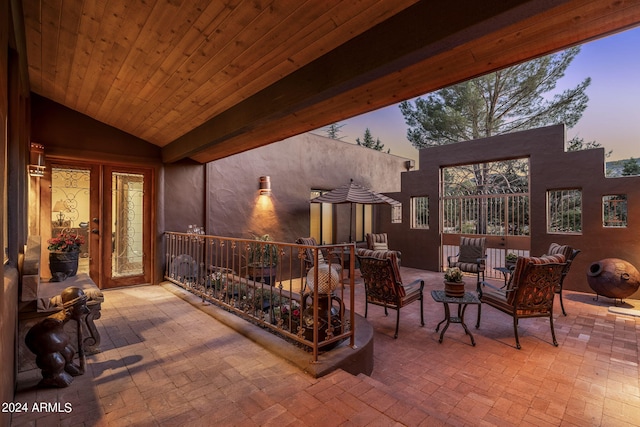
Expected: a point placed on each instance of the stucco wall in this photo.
(296, 165)
(550, 168)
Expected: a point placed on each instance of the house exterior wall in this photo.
(233, 208)
(14, 137)
(551, 168)
(296, 166)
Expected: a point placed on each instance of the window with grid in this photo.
(614, 211)
(564, 211)
(396, 214)
(420, 212)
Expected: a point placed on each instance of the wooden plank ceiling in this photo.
(207, 79)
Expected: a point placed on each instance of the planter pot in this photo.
(263, 273)
(454, 289)
(63, 265)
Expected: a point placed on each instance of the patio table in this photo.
(439, 295)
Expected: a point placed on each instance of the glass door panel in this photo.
(71, 207)
(127, 241)
(127, 197)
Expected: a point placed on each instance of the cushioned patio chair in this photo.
(471, 258)
(383, 284)
(530, 291)
(379, 242)
(309, 257)
(569, 254)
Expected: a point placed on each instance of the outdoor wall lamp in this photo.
(265, 186)
(36, 160)
(410, 164)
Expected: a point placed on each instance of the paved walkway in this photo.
(165, 363)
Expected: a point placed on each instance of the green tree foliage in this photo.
(513, 99)
(630, 167)
(509, 100)
(369, 142)
(577, 144)
(333, 130)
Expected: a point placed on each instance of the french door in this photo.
(111, 208)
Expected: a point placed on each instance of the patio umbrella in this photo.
(354, 193)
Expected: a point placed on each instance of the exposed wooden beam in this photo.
(410, 54)
(410, 36)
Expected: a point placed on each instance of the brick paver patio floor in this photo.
(165, 363)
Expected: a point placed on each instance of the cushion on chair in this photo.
(471, 249)
(311, 241)
(468, 266)
(557, 249)
(380, 246)
(521, 263)
(383, 255)
(412, 292)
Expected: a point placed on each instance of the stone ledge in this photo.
(358, 360)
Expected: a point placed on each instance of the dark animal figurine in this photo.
(52, 345)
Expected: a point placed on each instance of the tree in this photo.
(333, 130)
(577, 144)
(369, 142)
(509, 100)
(505, 101)
(630, 167)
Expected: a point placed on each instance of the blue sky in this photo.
(612, 117)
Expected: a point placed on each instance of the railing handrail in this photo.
(217, 269)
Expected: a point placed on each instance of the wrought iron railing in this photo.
(271, 284)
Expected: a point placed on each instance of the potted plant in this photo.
(63, 258)
(262, 259)
(453, 284)
(510, 260)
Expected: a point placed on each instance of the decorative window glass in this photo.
(420, 212)
(396, 214)
(321, 219)
(564, 211)
(614, 211)
(364, 221)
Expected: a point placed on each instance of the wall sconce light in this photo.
(36, 160)
(265, 186)
(410, 164)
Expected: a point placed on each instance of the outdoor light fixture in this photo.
(36, 160)
(410, 164)
(265, 186)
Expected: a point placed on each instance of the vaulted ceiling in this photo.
(206, 79)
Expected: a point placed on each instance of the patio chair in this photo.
(383, 284)
(471, 257)
(309, 257)
(379, 242)
(529, 293)
(569, 254)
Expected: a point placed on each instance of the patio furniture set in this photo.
(529, 288)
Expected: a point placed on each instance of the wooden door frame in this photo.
(97, 270)
(148, 247)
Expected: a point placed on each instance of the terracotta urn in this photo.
(613, 278)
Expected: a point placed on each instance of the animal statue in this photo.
(52, 345)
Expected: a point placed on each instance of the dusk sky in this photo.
(612, 117)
